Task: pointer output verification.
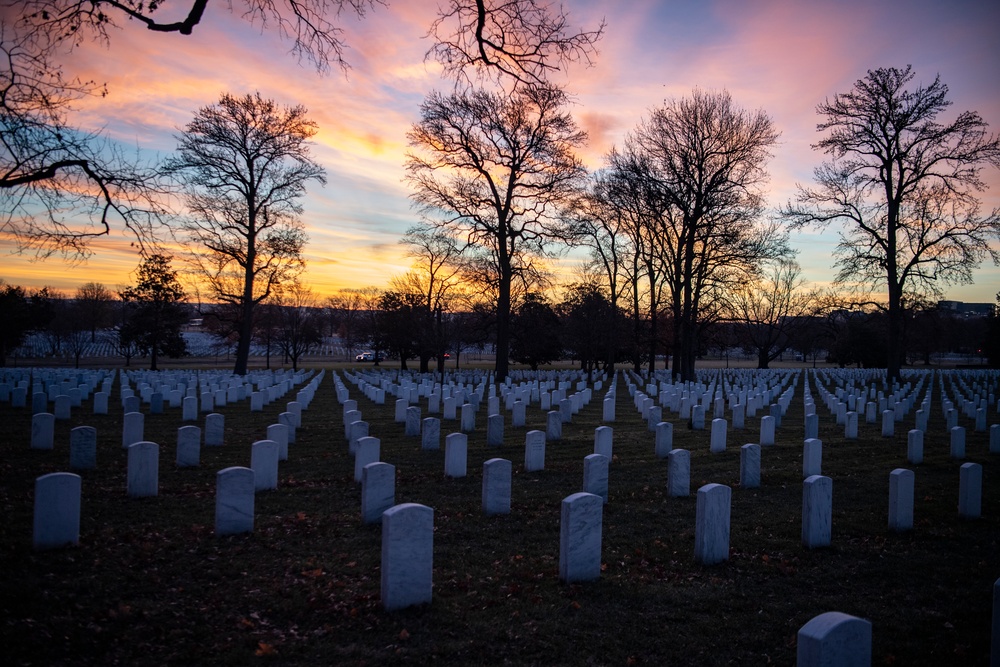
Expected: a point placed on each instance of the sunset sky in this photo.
(782, 56)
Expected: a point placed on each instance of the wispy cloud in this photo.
(784, 57)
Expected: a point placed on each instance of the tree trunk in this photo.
(895, 344)
(763, 358)
(503, 321)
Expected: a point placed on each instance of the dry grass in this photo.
(150, 584)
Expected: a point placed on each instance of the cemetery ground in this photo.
(150, 583)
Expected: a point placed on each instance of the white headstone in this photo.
(43, 430)
(603, 441)
(234, 500)
(519, 415)
(407, 555)
(834, 639)
(888, 423)
(62, 407)
(496, 486)
(766, 431)
(430, 433)
(143, 469)
(901, 483)
(553, 425)
(468, 418)
(580, 529)
(100, 403)
(215, 429)
(412, 418)
(189, 409)
(851, 426)
(279, 433)
(595, 475)
(288, 419)
(812, 457)
(817, 511)
(750, 466)
(357, 430)
(378, 491)
(970, 490)
(663, 439)
(494, 430)
(456, 454)
(812, 426)
(679, 473)
(132, 428)
(958, 442)
(698, 417)
(915, 446)
(264, 463)
(368, 451)
(711, 531)
(188, 446)
(56, 510)
(83, 448)
(534, 451)
(718, 441)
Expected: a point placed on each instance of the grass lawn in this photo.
(150, 584)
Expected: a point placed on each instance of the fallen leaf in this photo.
(264, 649)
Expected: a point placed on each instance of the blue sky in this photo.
(783, 57)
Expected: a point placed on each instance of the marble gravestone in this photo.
(834, 639)
(234, 501)
(264, 463)
(378, 491)
(817, 511)
(496, 486)
(407, 556)
(188, 446)
(143, 469)
(56, 511)
(580, 528)
(711, 531)
(83, 448)
(456, 448)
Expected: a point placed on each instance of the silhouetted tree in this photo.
(535, 333)
(244, 163)
(156, 310)
(700, 162)
(15, 313)
(524, 40)
(903, 184)
(769, 308)
(298, 327)
(494, 170)
(589, 326)
(95, 307)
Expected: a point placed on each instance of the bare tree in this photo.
(297, 325)
(596, 221)
(525, 40)
(770, 309)
(62, 186)
(345, 312)
(244, 164)
(495, 170)
(309, 24)
(904, 186)
(95, 306)
(701, 163)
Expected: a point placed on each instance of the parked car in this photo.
(368, 356)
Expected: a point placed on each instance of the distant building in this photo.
(966, 309)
